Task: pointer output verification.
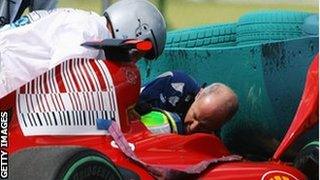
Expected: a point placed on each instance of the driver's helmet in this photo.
(133, 19)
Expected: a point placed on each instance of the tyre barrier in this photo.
(267, 26)
(251, 28)
(203, 37)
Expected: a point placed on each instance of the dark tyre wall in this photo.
(52, 163)
(307, 160)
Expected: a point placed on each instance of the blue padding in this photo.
(311, 25)
(103, 124)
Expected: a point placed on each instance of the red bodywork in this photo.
(307, 115)
(171, 150)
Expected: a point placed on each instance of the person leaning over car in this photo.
(39, 41)
(13, 9)
(174, 102)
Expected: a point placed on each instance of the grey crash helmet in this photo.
(133, 19)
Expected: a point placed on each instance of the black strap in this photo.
(143, 108)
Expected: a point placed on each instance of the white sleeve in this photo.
(29, 51)
(67, 42)
(23, 56)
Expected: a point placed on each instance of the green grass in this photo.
(186, 13)
(89, 5)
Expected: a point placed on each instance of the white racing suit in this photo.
(43, 39)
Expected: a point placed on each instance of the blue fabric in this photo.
(172, 91)
(103, 124)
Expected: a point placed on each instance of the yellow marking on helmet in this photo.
(277, 177)
(285, 178)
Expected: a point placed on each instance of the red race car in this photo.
(53, 134)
